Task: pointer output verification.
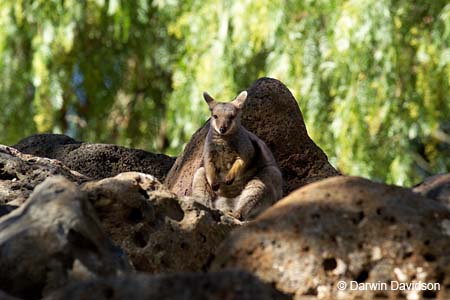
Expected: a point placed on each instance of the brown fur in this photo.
(239, 174)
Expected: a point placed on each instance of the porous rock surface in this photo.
(436, 187)
(272, 113)
(95, 160)
(52, 239)
(212, 286)
(345, 229)
(158, 230)
(21, 173)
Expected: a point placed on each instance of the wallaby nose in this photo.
(222, 129)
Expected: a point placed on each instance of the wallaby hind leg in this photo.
(259, 193)
(200, 188)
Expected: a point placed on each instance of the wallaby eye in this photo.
(215, 116)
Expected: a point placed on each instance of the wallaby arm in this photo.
(237, 167)
(211, 175)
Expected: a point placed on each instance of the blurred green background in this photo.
(371, 77)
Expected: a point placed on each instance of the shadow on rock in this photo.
(212, 286)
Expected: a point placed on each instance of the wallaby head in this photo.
(225, 116)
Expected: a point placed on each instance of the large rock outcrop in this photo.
(54, 239)
(21, 173)
(272, 113)
(213, 286)
(95, 160)
(158, 230)
(345, 229)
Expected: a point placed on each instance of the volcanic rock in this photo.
(54, 238)
(160, 231)
(345, 229)
(95, 160)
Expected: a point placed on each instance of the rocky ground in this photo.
(94, 221)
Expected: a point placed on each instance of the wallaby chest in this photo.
(224, 152)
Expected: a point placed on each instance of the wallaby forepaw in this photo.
(229, 180)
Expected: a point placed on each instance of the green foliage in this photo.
(372, 77)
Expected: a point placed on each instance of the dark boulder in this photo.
(96, 160)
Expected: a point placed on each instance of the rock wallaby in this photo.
(239, 174)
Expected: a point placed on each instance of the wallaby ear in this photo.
(240, 99)
(209, 100)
